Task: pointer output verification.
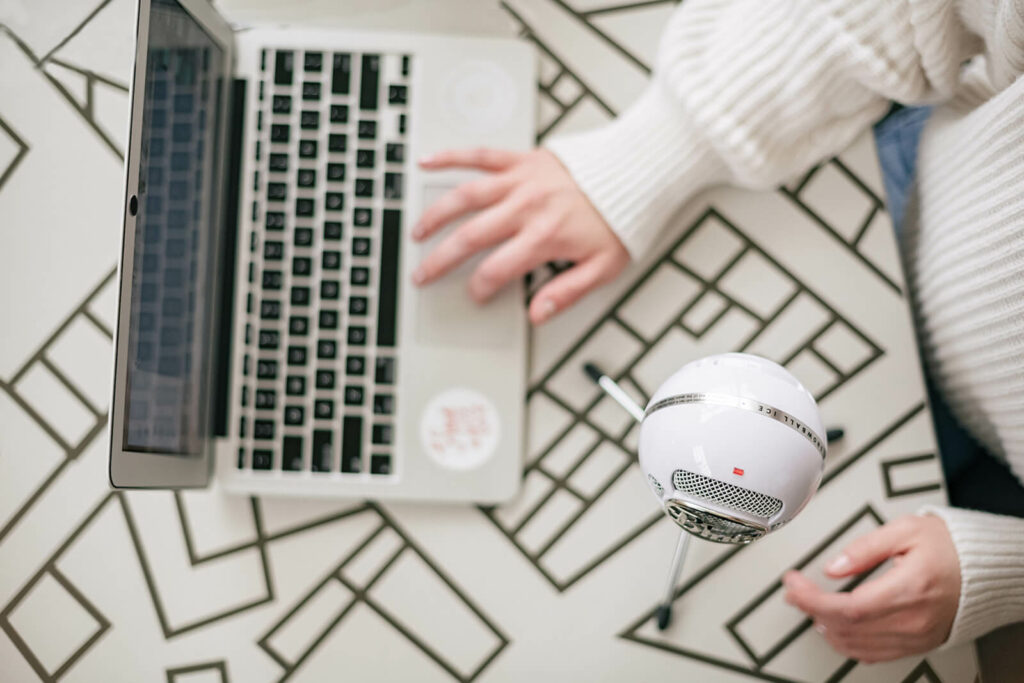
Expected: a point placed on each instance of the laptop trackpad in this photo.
(446, 314)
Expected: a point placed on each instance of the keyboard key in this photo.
(367, 130)
(328, 320)
(321, 450)
(366, 158)
(298, 325)
(284, 65)
(360, 276)
(396, 94)
(369, 82)
(341, 74)
(337, 142)
(281, 104)
(245, 365)
(241, 427)
(329, 289)
(401, 124)
(364, 187)
(405, 65)
(241, 458)
(357, 305)
(272, 279)
(327, 348)
(380, 463)
(303, 206)
(325, 379)
(270, 310)
(266, 369)
(295, 385)
(307, 149)
(273, 250)
(302, 265)
(383, 404)
(275, 220)
(334, 201)
(310, 91)
(392, 186)
(323, 408)
(300, 296)
(339, 113)
(262, 459)
(351, 465)
(313, 61)
(263, 429)
(307, 177)
(309, 120)
(352, 438)
(357, 336)
(385, 371)
(361, 246)
(280, 132)
(395, 152)
(332, 260)
(269, 339)
(276, 192)
(382, 434)
(294, 415)
(303, 237)
(291, 453)
(336, 172)
(387, 298)
(355, 365)
(296, 355)
(362, 217)
(245, 396)
(266, 399)
(278, 162)
(332, 230)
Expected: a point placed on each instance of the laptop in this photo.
(268, 332)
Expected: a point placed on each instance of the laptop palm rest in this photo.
(447, 315)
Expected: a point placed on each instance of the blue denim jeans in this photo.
(975, 478)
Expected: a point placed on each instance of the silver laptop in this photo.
(266, 320)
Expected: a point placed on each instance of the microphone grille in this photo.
(726, 494)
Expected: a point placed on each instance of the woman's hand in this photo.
(907, 610)
(533, 212)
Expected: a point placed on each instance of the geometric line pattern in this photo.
(739, 324)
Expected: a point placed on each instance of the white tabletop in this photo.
(109, 586)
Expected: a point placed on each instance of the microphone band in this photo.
(780, 416)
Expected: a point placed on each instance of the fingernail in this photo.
(417, 231)
(547, 309)
(820, 628)
(839, 565)
(427, 159)
(419, 277)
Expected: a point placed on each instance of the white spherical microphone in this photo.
(732, 446)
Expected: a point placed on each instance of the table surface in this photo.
(561, 584)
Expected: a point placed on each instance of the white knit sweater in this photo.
(753, 92)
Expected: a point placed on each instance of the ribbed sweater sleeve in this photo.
(991, 551)
(751, 92)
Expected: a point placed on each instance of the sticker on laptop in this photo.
(460, 429)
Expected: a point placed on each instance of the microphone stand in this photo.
(610, 387)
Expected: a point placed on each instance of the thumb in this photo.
(869, 551)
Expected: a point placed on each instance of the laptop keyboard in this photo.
(320, 363)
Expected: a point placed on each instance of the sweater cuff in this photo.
(642, 167)
(991, 551)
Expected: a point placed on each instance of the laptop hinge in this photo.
(229, 245)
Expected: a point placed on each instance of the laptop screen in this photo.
(172, 300)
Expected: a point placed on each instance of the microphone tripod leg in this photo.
(664, 613)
